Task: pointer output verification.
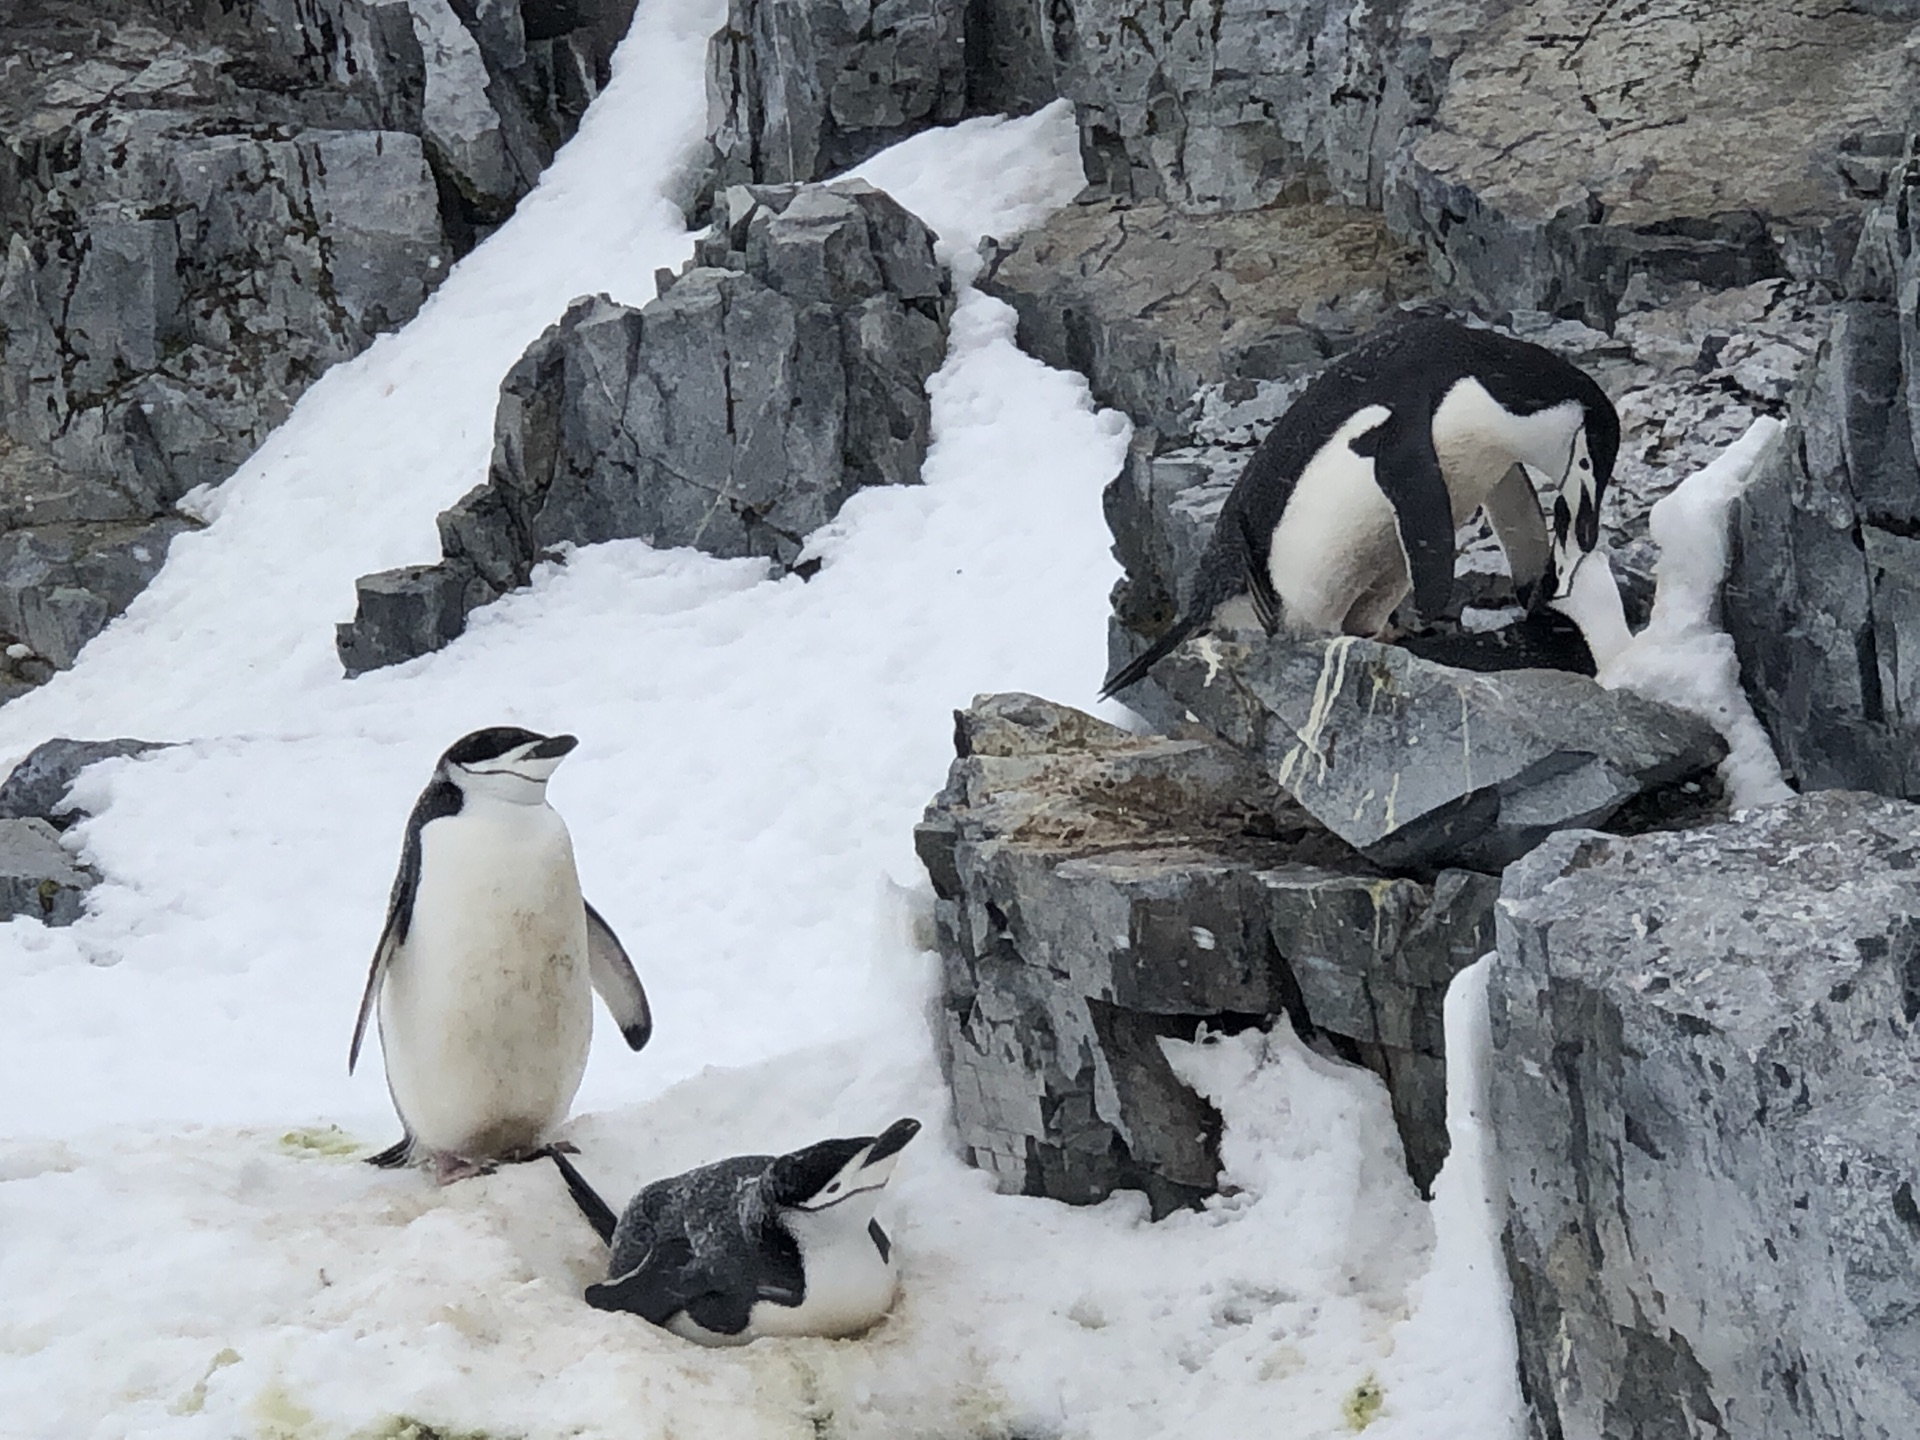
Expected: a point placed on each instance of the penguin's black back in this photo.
(1407, 367)
(1410, 365)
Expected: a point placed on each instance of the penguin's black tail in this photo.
(1135, 670)
(598, 1214)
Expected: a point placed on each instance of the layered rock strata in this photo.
(1099, 890)
(1704, 1065)
(782, 370)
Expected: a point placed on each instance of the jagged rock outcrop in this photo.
(1703, 1086)
(202, 208)
(798, 90)
(1098, 890)
(1821, 594)
(507, 84)
(783, 369)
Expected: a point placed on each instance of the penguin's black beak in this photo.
(892, 1141)
(553, 747)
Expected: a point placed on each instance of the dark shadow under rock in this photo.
(1099, 890)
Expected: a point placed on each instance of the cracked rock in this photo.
(1703, 1087)
(1097, 890)
(782, 370)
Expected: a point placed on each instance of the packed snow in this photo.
(188, 1245)
(1683, 657)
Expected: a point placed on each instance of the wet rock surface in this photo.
(782, 370)
(1098, 890)
(1704, 1067)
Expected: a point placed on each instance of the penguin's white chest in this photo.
(486, 1011)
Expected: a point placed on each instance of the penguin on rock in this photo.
(756, 1245)
(1353, 498)
(483, 975)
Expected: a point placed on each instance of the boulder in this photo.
(1419, 765)
(1819, 595)
(1099, 890)
(38, 879)
(36, 788)
(1704, 1081)
(798, 90)
(782, 370)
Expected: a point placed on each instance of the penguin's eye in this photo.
(1586, 464)
(833, 1187)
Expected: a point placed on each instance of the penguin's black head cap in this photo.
(498, 740)
(823, 1175)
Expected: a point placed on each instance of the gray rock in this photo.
(1152, 305)
(798, 90)
(1703, 1081)
(36, 788)
(39, 879)
(1573, 152)
(1099, 890)
(1826, 553)
(1419, 765)
(781, 371)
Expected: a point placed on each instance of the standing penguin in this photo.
(1353, 498)
(756, 1245)
(482, 974)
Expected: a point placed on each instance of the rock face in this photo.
(37, 787)
(781, 371)
(1158, 308)
(800, 89)
(1704, 1074)
(202, 208)
(1098, 890)
(1820, 597)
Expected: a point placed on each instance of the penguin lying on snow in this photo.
(1353, 498)
(756, 1245)
(482, 974)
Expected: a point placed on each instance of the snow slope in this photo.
(187, 1245)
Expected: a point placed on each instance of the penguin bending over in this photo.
(756, 1245)
(1353, 498)
(484, 972)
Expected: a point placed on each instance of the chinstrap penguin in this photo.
(483, 976)
(756, 1245)
(1353, 498)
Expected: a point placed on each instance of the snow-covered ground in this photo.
(187, 1244)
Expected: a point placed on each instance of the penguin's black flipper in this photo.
(599, 1214)
(1136, 669)
(613, 977)
(1266, 603)
(1408, 472)
(657, 1288)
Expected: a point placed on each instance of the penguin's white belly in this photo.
(849, 1287)
(1336, 560)
(486, 1011)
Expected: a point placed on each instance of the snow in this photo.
(1683, 657)
(188, 1244)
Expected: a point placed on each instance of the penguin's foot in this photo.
(448, 1168)
(395, 1155)
(539, 1152)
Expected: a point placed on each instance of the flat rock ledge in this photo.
(783, 369)
(1705, 1080)
(1098, 890)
